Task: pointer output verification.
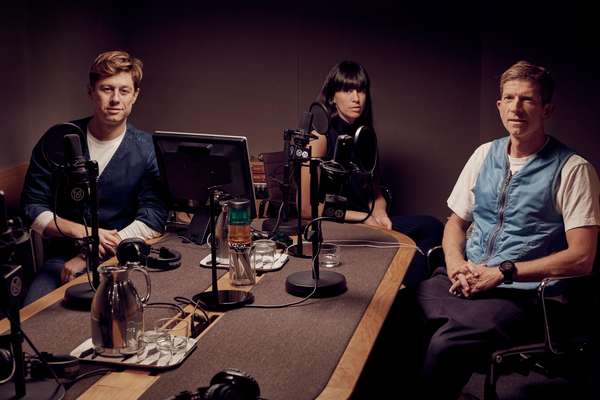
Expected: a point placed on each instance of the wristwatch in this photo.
(508, 269)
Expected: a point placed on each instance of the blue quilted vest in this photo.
(515, 216)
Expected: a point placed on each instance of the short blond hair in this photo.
(114, 62)
(524, 70)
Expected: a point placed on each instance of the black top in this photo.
(359, 191)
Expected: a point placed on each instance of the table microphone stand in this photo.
(282, 222)
(80, 296)
(215, 299)
(11, 286)
(298, 154)
(328, 283)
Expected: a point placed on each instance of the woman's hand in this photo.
(380, 220)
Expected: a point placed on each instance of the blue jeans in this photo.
(426, 231)
(47, 279)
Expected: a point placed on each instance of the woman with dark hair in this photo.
(346, 95)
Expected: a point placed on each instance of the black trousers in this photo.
(426, 231)
(465, 332)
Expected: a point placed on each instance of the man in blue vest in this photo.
(532, 208)
(130, 202)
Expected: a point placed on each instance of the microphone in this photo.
(306, 125)
(352, 155)
(335, 177)
(342, 153)
(75, 168)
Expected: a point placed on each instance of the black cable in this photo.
(209, 267)
(42, 359)
(278, 221)
(90, 373)
(165, 305)
(294, 303)
(88, 254)
(56, 210)
(198, 305)
(319, 219)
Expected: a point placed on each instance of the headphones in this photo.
(230, 384)
(64, 366)
(136, 250)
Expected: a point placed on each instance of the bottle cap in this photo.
(238, 212)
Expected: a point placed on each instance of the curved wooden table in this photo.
(131, 384)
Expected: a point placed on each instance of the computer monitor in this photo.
(190, 163)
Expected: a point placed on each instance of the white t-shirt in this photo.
(577, 197)
(102, 151)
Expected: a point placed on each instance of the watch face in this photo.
(506, 266)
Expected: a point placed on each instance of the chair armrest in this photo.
(564, 298)
(435, 258)
(386, 192)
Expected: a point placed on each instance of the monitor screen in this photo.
(190, 163)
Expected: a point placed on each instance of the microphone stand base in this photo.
(226, 299)
(329, 284)
(36, 390)
(79, 297)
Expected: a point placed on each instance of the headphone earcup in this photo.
(6, 364)
(219, 391)
(167, 259)
(241, 385)
(132, 250)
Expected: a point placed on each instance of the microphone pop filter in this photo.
(52, 143)
(365, 148)
(320, 121)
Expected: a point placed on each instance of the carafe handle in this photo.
(145, 299)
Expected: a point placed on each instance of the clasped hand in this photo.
(469, 278)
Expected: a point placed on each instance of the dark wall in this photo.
(46, 52)
(252, 69)
(562, 38)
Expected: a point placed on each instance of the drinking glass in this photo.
(329, 255)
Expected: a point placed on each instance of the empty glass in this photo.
(171, 339)
(148, 351)
(329, 255)
(262, 254)
(177, 328)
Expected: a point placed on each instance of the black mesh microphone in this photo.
(75, 168)
(343, 150)
(334, 179)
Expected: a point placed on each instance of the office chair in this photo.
(571, 310)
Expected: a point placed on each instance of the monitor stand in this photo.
(289, 227)
(199, 228)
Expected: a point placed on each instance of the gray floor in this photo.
(533, 386)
